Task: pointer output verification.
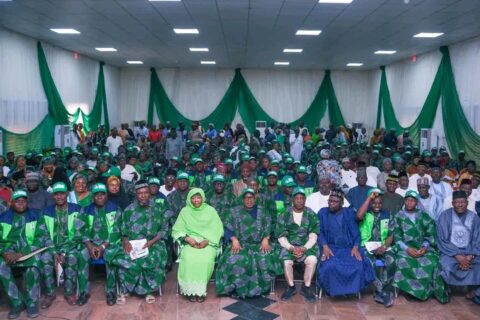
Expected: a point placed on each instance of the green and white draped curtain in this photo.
(458, 132)
(42, 136)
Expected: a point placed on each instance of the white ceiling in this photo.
(245, 33)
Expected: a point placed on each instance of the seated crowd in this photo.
(345, 210)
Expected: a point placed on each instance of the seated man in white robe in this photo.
(458, 233)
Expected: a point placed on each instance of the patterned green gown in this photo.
(222, 203)
(418, 277)
(248, 273)
(143, 275)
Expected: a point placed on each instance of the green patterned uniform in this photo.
(97, 226)
(297, 235)
(57, 231)
(249, 272)
(222, 203)
(143, 275)
(17, 235)
(378, 227)
(417, 276)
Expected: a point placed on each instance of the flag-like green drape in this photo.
(458, 132)
(239, 97)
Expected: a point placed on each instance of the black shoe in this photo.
(387, 299)
(306, 292)
(111, 298)
(15, 312)
(378, 297)
(32, 312)
(83, 299)
(289, 293)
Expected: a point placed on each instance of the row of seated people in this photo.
(419, 255)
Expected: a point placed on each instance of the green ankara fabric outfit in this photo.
(196, 265)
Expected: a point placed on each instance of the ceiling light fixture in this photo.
(308, 32)
(282, 63)
(134, 62)
(198, 49)
(292, 50)
(106, 49)
(354, 64)
(335, 1)
(385, 52)
(65, 31)
(428, 34)
(208, 62)
(185, 31)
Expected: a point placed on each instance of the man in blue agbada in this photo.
(343, 268)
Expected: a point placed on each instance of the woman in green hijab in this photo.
(199, 229)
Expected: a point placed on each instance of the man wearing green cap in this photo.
(415, 251)
(95, 227)
(199, 177)
(248, 264)
(142, 220)
(297, 230)
(57, 231)
(17, 231)
(376, 225)
(302, 180)
(283, 199)
(155, 194)
(219, 198)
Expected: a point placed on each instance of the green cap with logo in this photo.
(411, 194)
(298, 190)
(19, 194)
(99, 187)
(247, 190)
(288, 182)
(154, 180)
(272, 173)
(302, 169)
(218, 178)
(182, 175)
(59, 187)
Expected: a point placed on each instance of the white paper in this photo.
(373, 245)
(137, 251)
(60, 278)
(31, 254)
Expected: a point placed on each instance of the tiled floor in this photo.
(171, 306)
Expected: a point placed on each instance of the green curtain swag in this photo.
(42, 135)
(239, 97)
(458, 132)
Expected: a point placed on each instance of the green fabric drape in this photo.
(239, 96)
(37, 139)
(166, 111)
(458, 132)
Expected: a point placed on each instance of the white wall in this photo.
(22, 100)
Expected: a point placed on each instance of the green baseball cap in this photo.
(272, 173)
(247, 190)
(228, 161)
(112, 171)
(218, 178)
(59, 187)
(288, 160)
(288, 182)
(374, 190)
(19, 194)
(411, 194)
(298, 190)
(301, 169)
(182, 175)
(99, 187)
(154, 180)
(275, 163)
(106, 154)
(196, 160)
(245, 157)
(175, 158)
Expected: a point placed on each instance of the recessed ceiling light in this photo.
(428, 34)
(292, 50)
(385, 52)
(208, 62)
(65, 31)
(106, 49)
(185, 31)
(354, 64)
(308, 32)
(134, 62)
(282, 63)
(335, 1)
(198, 49)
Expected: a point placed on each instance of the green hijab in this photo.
(202, 222)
